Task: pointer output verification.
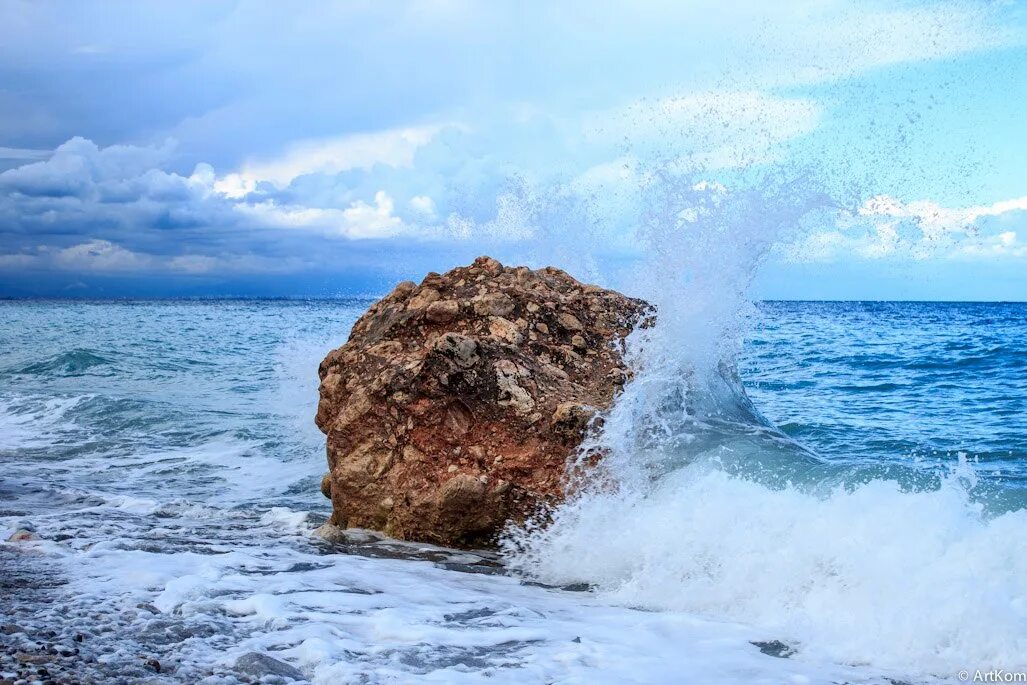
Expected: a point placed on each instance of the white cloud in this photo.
(885, 227)
(394, 148)
(235, 186)
(934, 220)
(1006, 244)
(360, 220)
(100, 255)
(423, 205)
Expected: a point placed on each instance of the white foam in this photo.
(348, 618)
(26, 420)
(920, 584)
(916, 582)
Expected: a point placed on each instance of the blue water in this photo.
(877, 383)
(164, 454)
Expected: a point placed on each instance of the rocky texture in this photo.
(260, 666)
(456, 403)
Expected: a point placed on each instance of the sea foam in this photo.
(700, 504)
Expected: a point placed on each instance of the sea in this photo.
(840, 498)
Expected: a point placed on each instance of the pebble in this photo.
(260, 665)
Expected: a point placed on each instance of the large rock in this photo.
(456, 403)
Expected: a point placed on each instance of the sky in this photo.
(234, 148)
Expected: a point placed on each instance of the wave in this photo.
(29, 422)
(917, 581)
(700, 504)
(75, 362)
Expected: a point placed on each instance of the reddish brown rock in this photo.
(455, 404)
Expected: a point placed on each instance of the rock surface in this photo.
(455, 404)
(260, 666)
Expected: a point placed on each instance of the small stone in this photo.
(578, 342)
(257, 665)
(488, 264)
(402, 289)
(460, 491)
(570, 418)
(617, 377)
(442, 311)
(21, 535)
(569, 322)
(556, 371)
(511, 394)
(330, 532)
(505, 330)
(463, 350)
(422, 299)
(493, 304)
(452, 468)
(542, 328)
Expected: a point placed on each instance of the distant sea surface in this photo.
(164, 456)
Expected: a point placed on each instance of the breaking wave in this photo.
(700, 504)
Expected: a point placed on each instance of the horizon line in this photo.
(372, 298)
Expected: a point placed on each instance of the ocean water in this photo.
(842, 498)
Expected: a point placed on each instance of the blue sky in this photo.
(323, 149)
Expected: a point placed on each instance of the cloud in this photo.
(100, 255)
(80, 168)
(22, 154)
(360, 220)
(394, 148)
(343, 69)
(884, 227)
(426, 127)
(117, 209)
(935, 221)
(423, 205)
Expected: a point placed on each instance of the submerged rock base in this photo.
(455, 404)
